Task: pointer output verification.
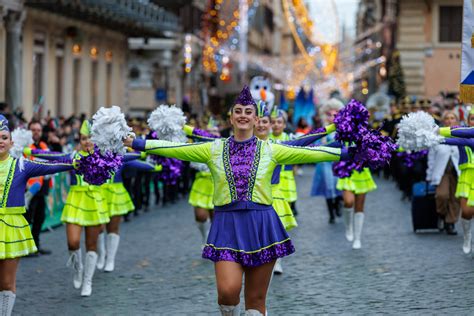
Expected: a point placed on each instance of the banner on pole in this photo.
(467, 63)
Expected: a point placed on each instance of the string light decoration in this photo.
(301, 27)
(220, 30)
(219, 22)
(226, 66)
(188, 53)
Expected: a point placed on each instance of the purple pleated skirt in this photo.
(248, 237)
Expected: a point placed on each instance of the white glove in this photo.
(28, 197)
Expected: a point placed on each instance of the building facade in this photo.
(429, 41)
(66, 57)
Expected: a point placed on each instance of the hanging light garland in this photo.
(220, 31)
(188, 53)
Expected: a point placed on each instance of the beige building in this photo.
(429, 40)
(70, 59)
(70, 66)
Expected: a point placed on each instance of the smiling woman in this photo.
(246, 236)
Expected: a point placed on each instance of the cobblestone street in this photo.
(159, 269)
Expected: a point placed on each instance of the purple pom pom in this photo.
(351, 122)
(374, 150)
(171, 169)
(97, 167)
(409, 158)
(343, 169)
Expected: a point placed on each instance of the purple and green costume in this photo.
(15, 235)
(246, 228)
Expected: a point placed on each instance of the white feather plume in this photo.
(168, 121)
(418, 131)
(109, 128)
(21, 138)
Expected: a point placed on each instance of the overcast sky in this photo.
(347, 13)
(322, 12)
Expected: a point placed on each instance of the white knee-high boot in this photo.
(89, 268)
(358, 224)
(101, 250)
(7, 300)
(112, 246)
(230, 310)
(349, 222)
(466, 227)
(75, 262)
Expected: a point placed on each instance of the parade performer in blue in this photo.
(324, 181)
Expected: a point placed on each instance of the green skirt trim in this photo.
(288, 186)
(85, 208)
(463, 188)
(202, 192)
(117, 198)
(359, 182)
(283, 209)
(15, 237)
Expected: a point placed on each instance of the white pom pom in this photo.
(109, 129)
(21, 138)
(167, 122)
(417, 131)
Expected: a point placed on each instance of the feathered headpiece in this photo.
(262, 109)
(276, 113)
(85, 128)
(4, 124)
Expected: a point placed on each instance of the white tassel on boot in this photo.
(75, 262)
(358, 224)
(101, 250)
(466, 227)
(7, 300)
(349, 223)
(112, 246)
(230, 310)
(89, 268)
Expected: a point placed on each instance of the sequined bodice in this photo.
(242, 155)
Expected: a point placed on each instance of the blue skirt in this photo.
(248, 237)
(324, 181)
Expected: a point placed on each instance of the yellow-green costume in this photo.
(465, 185)
(360, 182)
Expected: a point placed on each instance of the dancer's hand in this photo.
(128, 141)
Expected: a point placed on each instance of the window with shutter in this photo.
(450, 24)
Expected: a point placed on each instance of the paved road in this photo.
(159, 270)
